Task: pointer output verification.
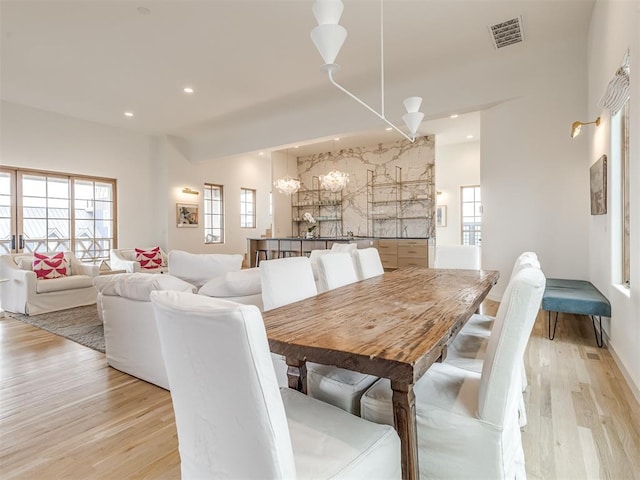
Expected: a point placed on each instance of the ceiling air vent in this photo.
(507, 33)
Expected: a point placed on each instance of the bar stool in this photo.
(258, 252)
(288, 253)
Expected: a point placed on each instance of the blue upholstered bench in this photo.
(575, 296)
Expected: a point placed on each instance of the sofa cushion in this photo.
(149, 259)
(138, 286)
(233, 284)
(47, 267)
(72, 282)
(24, 262)
(199, 268)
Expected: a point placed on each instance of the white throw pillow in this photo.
(233, 284)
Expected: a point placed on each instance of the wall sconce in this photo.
(576, 126)
(189, 191)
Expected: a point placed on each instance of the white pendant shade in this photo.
(329, 39)
(327, 11)
(412, 104)
(412, 121)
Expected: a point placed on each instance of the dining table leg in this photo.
(297, 374)
(404, 418)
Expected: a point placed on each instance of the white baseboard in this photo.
(635, 389)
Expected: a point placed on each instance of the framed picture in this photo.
(441, 215)
(187, 215)
(598, 179)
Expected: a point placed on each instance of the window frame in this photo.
(17, 219)
(243, 210)
(625, 244)
(476, 232)
(209, 214)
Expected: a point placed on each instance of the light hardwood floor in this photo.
(65, 414)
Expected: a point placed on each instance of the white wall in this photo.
(150, 172)
(535, 186)
(456, 166)
(31, 138)
(615, 27)
(251, 171)
(282, 164)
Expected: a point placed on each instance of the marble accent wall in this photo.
(394, 211)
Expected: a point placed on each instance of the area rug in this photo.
(79, 324)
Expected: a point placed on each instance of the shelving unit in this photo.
(324, 206)
(400, 208)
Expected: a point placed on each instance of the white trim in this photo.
(635, 390)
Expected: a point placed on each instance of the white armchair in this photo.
(234, 422)
(125, 259)
(25, 293)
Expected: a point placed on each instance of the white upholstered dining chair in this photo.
(284, 281)
(232, 419)
(337, 386)
(287, 280)
(336, 270)
(467, 423)
(368, 263)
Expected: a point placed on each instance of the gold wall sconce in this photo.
(576, 126)
(189, 191)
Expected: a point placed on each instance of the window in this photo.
(213, 213)
(44, 211)
(247, 208)
(471, 215)
(624, 157)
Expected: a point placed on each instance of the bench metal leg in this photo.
(555, 325)
(599, 341)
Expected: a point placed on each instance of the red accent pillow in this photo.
(149, 259)
(49, 266)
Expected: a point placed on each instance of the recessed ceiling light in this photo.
(188, 90)
(128, 114)
(455, 115)
(388, 129)
(469, 137)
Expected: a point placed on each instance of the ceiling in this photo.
(94, 60)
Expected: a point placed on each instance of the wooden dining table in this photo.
(393, 326)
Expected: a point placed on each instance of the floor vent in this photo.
(507, 33)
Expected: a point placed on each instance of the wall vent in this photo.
(507, 33)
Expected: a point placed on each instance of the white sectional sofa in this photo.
(131, 338)
(24, 293)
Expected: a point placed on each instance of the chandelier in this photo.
(334, 181)
(328, 37)
(287, 185)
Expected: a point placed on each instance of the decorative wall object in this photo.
(441, 216)
(598, 175)
(416, 160)
(187, 215)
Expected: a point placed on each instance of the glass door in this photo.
(8, 221)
